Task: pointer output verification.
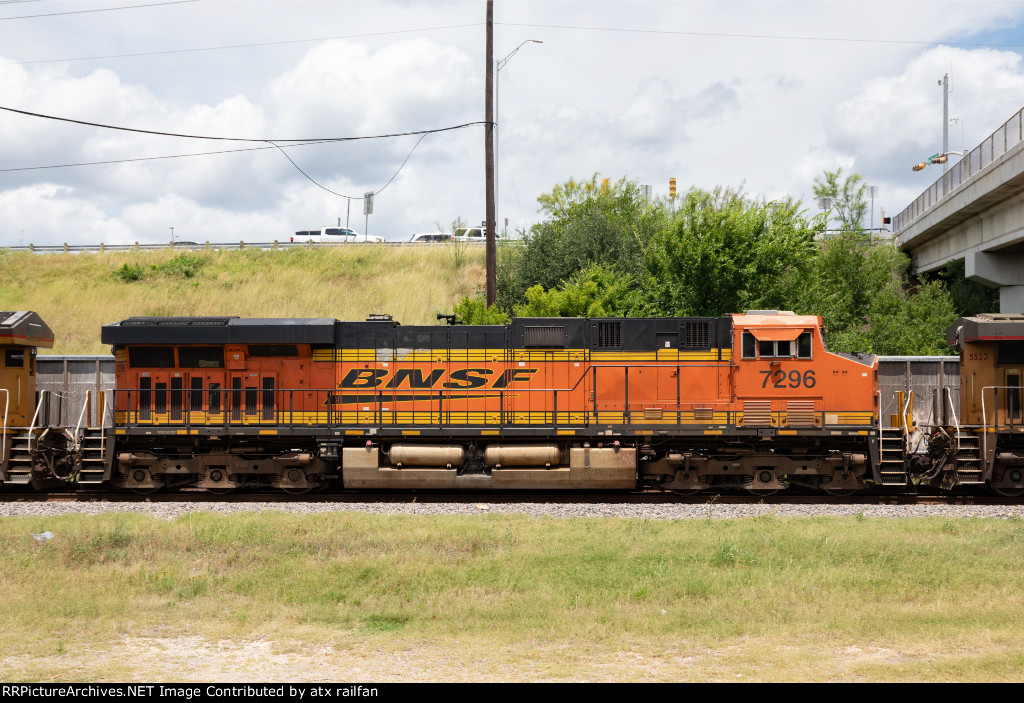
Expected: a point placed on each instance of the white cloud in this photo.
(709, 110)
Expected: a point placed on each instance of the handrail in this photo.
(903, 419)
(32, 427)
(3, 437)
(956, 422)
(81, 414)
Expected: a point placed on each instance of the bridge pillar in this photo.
(1003, 270)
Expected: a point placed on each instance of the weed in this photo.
(129, 273)
(184, 265)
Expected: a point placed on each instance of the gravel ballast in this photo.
(171, 510)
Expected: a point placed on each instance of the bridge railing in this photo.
(995, 145)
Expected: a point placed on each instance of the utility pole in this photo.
(492, 292)
(945, 118)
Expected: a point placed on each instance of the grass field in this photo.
(78, 293)
(491, 597)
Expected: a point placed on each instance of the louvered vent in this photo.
(273, 350)
(176, 321)
(201, 357)
(151, 357)
(757, 412)
(695, 335)
(609, 334)
(800, 413)
(544, 336)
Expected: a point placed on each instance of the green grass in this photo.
(78, 293)
(947, 596)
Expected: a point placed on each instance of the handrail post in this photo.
(3, 437)
(32, 427)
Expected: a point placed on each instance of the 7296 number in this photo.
(793, 379)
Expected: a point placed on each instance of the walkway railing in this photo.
(998, 143)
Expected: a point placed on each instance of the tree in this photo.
(723, 252)
(586, 224)
(594, 292)
(846, 196)
(868, 302)
(474, 311)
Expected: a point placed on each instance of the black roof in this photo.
(989, 326)
(219, 330)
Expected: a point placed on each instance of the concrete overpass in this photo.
(975, 212)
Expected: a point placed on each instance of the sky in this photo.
(762, 96)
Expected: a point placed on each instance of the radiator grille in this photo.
(695, 335)
(800, 413)
(757, 412)
(544, 336)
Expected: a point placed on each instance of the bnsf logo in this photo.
(461, 379)
(436, 378)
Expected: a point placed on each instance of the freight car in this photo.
(745, 402)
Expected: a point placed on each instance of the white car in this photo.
(334, 235)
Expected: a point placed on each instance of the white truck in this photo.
(334, 235)
(470, 234)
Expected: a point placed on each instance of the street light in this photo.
(497, 140)
(936, 159)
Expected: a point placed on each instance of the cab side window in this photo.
(769, 349)
(749, 346)
(803, 346)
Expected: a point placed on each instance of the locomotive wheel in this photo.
(298, 491)
(683, 492)
(220, 491)
(142, 491)
(763, 491)
(840, 492)
(1009, 492)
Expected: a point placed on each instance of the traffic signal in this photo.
(671, 187)
(940, 159)
(920, 167)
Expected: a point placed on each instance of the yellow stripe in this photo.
(410, 432)
(268, 431)
(566, 432)
(353, 432)
(712, 431)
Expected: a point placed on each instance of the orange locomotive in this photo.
(750, 401)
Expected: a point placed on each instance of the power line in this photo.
(423, 134)
(99, 9)
(240, 46)
(152, 158)
(352, 197)
(730, 35)
(235, 139)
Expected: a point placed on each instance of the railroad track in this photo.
(652, 498)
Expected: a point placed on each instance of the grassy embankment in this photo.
(78, 293)
(515, 598)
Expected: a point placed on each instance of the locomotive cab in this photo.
(785, 377)
(21, 333)
(991, 347)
